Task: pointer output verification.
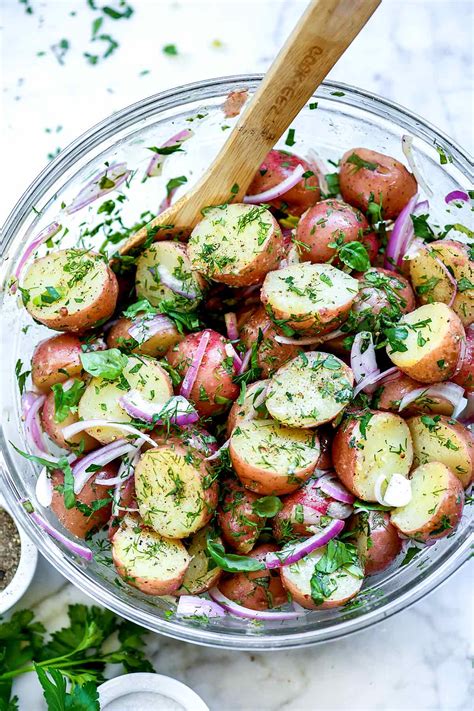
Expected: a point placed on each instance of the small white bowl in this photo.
(25, 571)
(131, 685)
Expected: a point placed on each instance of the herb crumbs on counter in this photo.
(10, 549)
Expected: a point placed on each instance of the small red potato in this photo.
(271, 459)
(382, 289)
(55, 360)
(236, 245)
(376, 539)
(270, 354)
(436, 505)
(364, 448)
(78, 523)
(331, 222)
(364, 173)
(258, 590)
(252, 407)
(54, 429)
(296, 578)
(277, 166)
(428, 342)
(439, 439)
(312, 298)
(389, 395)
(152, 563)
(240, 525)
(154, 346)
(70, 290)
(202, 573)
(465, 369)
(176, 490)
(213, 390)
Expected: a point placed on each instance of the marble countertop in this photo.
(415, 52)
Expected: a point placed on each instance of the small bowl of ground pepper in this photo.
(18, 558)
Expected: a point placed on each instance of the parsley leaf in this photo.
(170, 49)
(104, 364)
(21, 376)
(290, 139)
(359, 163)
(355, 256)
(66, 401)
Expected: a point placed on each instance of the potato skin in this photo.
(390, 394)
(72, 519)
(258, 590)
(156, 346)
(59, 353)
(200, 575)
(214, 377)
(271, 354)
(54, 429)
(276, 167)
(374, 285)
(246, 411)
(390, 178)
(240, 526)
(377, 540)
(465, 369)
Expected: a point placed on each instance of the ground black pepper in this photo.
(10, 549)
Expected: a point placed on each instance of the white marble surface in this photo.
(417, 52)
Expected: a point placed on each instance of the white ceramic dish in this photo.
(25, 571)
(124, 693)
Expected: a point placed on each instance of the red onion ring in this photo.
(171, 282)
(467, 415)
(363, 364)
(240, 611)
(400, 236)
(192, 371)
(456, 195)
(231, 326)
(297, 551)
(156, 163)
(453, 281)
(33, 431)
(74, 547)
(117, 173)
(177, 410)
(145, 328)
(82, 425)
(218, 452)
(277, 190)
(376, 378)
(331, 486)
(100, 457)
(193, 606)
(449, 391)
(43, 236)
(232, 353)
(125, 473)
(319, 168)
(245, 362)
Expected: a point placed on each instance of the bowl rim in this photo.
(73, 571)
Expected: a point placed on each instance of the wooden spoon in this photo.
(321, 36)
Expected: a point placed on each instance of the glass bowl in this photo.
(345, 117)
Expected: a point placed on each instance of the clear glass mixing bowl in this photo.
(345, 117)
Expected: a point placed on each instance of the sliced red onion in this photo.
(145, 328)
(192, 371)
(311, 340)
(100, 457)
(453, 281)
(376, 378)
(467, 415)
(414, 248)
(218, 453)
(125, 473)
(245, 361)
(240, 611)
(407, 144)
(294, 552)
(177, 410)
(449, 391)
(231, 326)
(82, 425)
(193, 606)
(31, 405)
(44, 488)
(292, 257)
(400, 236)
(331, 486)
(277, 190)
(364, 363)
(117, 173)
(319, 168)
(176, 285)
(48, 232)
(337, 509)
(232, 353)
(74, 547)
(458, 195)
(155, 165)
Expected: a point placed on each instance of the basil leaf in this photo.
(139, 307)
(338, 555)
(267, 506)
(231, 562)
(104, 364)
(355, 256)
(66, 401)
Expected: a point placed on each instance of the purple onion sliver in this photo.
(241, 611)
(145, 328)
(192, 371)
(193, 606)
(218, 452)
(375, 378)
(116, 173)
(230, 319)
(277, 190)
(400, 235)
(297, 551)
(456, 195)
(43, 236)
(332, 487)
(363, 363)
(74, 547)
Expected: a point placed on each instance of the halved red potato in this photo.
(306, 297)
(202, 573)
(252, 407)
(101, 397)
(77, 522)
(436, 505)
(55, 360)
(70, 290)
(364, 173)
(240, 525)
(465, 369)
(279, 165)
(428, 273)
(310, 390)
(331, 222)
(382, 289)
(176, 490)
(427, 343)
(213, 390)
(376, 539)
(152, 563)
(258, 590)
(236, 245)
(82, 441)
(390, 394)
(364, 448)
(342, 585)
(154, 346)
(259, 328)
(164, 274)
(271, 459)
(439, 439)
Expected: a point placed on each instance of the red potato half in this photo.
(213, 390)
(296, 579)
(259, 590)
(252, 407)
(382, 289)
(376, 539)
(439, 439)
(277, 166)
(70, 290)
(259, 328)
(239, 524)
(236, 245)
(176, 490)
(152, 563)
(202, 573)
(54, 429)
(154, 346)
(436, 505)
(364, 173)
(432, 343)
(389, 395)
(364, 448)
(55, 360)
(465, 372)
(271, 459)
(78, 523)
